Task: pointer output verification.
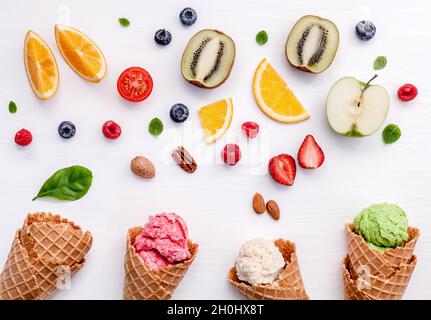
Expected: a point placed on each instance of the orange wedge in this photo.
(40, 66)
(216, 118)
(274, 97)
(80, 53)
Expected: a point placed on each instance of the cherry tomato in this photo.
(135, 84)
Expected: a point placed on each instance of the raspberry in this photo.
(111, 130)
(251, 129)
(407, 92)
(231, 154)
(23, 137)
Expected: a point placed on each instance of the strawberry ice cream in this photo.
(163, 241)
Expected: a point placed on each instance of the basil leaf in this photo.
(391, 133)
(124, 22)
(262, 37)
(155, 127)
(70, 183)
(380, 63)
(12, 107)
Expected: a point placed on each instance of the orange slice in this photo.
(40, 66)
(80, 53)
(274, 97)
(216, 118)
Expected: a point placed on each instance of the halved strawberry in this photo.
(282, 169)
(310, 155)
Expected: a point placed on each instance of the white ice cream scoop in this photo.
(259, 262)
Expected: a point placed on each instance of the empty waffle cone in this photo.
(360, 254)
(371, 287)
(143, 283)
(45, 253)
(351, 291)
(289, 286)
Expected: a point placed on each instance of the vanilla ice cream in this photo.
(259, 262)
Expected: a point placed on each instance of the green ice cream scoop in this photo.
(383, 226)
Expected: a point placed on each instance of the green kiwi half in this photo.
(312, 44)
(208, 58)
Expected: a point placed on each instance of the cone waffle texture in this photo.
(360, 253)
(45, 253)
(289, 286)
(144, 283)
(371, 275)
(377, 287)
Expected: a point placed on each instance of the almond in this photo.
(143, 167)
(273, 209)
(258, 203)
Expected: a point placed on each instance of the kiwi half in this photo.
(208, 58)
(312, 44)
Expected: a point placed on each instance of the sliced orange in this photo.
(40, 66)
(80, 53)
(274, 97)
(216, 118)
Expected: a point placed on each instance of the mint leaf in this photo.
(155, 127)
(391, 133)
(12, 107)
(124, 22)
(262, 37)
(380, 63)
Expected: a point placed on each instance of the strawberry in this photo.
(310, 155)
(282, 169)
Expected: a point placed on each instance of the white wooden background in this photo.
(216, 200)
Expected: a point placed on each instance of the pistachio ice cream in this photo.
(382, 226)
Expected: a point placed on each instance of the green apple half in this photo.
(356, 109)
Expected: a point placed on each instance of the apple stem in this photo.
(365, 88)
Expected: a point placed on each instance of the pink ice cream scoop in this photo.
(163, 241)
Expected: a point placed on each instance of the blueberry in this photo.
(188, 16)
(66, 129)
(179, 113)
(163, 37)
(365, 30)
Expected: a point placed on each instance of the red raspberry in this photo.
(23, 137)
(251, 129)
(111, 130)
(231, 154)
(407, 92)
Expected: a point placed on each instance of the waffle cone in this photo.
(289, 286)
(374, 287)
(360, 254)
(351, 291)
(46, 252)
(144, 283)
